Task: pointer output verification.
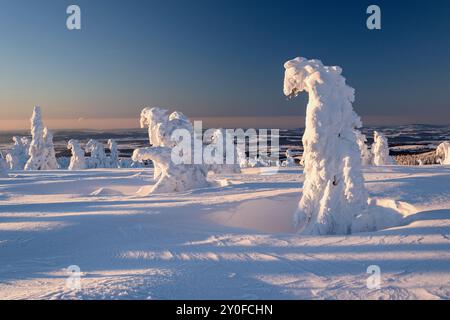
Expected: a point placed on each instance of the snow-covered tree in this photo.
(171, 176)
(114, 161)
(366, 155)
(443, 153)
(50, 162)
(380, 150)
(216, 150)
(3, 165)
(18, 156)
(334, 194)
(42, 151)
(98, 157)
(290, 160)
(78, 160)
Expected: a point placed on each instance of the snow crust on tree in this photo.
(42, 151)
(443, 152)
(18, 155)
(380, 150)
(366, 154)
(98, 157)
(114, 161)
(334, 195)
(78, 159)
(3, 166)
(170, 176)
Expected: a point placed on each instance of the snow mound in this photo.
(101, 192)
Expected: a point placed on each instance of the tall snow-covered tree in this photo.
(380, 150)
(333, 192)
(98, 157)
(42, 151)
(78, 160)
(18, 155)
(114, 161)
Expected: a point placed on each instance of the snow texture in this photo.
(78, 159)
(290, 160)
(170, 176)
(216, 152)
(42, 151)
(380, 150)
(3, 165)
(334, 195)
(18, 155)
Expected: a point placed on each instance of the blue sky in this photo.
(220, 58)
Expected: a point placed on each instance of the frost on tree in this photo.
(98, 156)
(42, 151)
(380, 150)
(3, 166)
(78, 160)
(366, 154)
(18, 156)
(443, 153)
(334, 194)
(114, 161)
(171, 176)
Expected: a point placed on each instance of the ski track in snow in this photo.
(230, 242)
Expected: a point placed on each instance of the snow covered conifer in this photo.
(78, 160)
(380, 150)
(18, 156)
(98, 157)
(42, 151)
(290, 160)
(366, 155)
(333, 192)
(443, 153)
(3, 165)
(114, 161)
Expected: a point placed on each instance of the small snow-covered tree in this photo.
(78, 160)
(50, 162)
(42, 151)
(366, 155)
(380, 150)
(334, 194)
(290, 160)
(3, 165)
(18, 156)
(170, 176)
(443, 153)
(216, 151)
(98, 157)
(114, 161)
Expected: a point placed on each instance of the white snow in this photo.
(366, 154)
(18, 156)
(98, 157)
(334, 195)
(114, 161)
(229, 242)
(443, 152)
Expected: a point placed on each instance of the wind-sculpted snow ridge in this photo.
(380, 150)
(78, 160)
(98, 157)
(42, 150)
(335, 200)
(170, 176)
(443, 153)
(18, 156)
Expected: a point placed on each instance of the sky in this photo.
(218, 60)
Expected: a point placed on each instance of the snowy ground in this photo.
(227, 242)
